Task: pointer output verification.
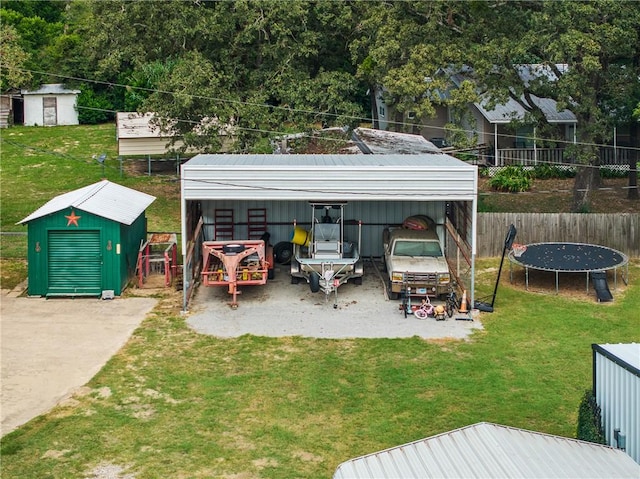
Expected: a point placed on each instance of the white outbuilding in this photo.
(616, 386)
(224, 191)
(50, 105)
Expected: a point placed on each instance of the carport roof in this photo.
(105, 199)
(421, 177)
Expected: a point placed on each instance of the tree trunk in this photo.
(587, 178)
(374, 107)
(632, 192)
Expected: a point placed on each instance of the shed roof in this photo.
(381, 142)
(51, 89)
(492, 450)
(627, 353)
(105, 199)
(423, 177)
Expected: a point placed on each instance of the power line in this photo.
(288, 109)
(297, 190)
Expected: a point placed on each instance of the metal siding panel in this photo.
(618, 395)
(75, 262)
(375, 215)
(328, 177)
(37, 258)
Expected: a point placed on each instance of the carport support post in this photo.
(183, 231)
(474, 237)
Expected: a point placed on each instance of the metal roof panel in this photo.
(492, 450)
(628, 352)
(105, 199)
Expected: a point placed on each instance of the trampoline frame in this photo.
(625, 263)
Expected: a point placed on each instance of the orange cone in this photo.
(463, 303)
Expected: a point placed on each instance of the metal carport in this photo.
(382, 188)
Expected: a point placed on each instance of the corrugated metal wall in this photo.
(617, 393)
(375, 215)
(115, 260)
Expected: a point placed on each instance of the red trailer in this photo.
(236, 263)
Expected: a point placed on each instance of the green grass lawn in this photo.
(176, 404)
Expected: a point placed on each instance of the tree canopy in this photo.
(268, 67)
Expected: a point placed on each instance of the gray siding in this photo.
(617, 390)
(375, 215)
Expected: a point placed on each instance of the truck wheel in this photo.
(392, 295)
(314, 282)
(357, 281)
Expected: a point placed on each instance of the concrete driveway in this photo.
(50, 347)
(280, 308)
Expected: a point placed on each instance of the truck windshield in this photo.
(417, 248)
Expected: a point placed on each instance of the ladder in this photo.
(223, 224)
(256, 222)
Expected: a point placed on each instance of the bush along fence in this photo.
(618, 231)
(589, 420)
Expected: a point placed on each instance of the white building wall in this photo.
(66, 110)
(617, 391)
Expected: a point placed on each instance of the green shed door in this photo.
(75, 263)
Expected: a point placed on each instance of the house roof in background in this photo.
(105, 199)
(512, 110)
(51, 89)
(492, 450)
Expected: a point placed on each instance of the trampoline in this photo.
(568, 258)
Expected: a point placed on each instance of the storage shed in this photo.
(50, 105)
(491, 450)
(86, 242)
(138, 137)
(222, 191)
(616, 385)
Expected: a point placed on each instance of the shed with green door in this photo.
(86, 242)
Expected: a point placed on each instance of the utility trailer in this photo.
(236, 263)
(322, 256)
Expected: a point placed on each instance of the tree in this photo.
(12, 60)
(587, 47)
(264, 66)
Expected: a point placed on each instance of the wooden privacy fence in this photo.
(619, 231)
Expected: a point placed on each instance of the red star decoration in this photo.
(73, 218)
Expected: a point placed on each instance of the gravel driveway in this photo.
(50, 347)
(280, 308)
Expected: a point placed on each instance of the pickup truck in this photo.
(414, 258)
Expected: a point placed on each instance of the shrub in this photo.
(545, 171)
(590, 420)
(512, 179)
(94, 108)
(613, 172)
